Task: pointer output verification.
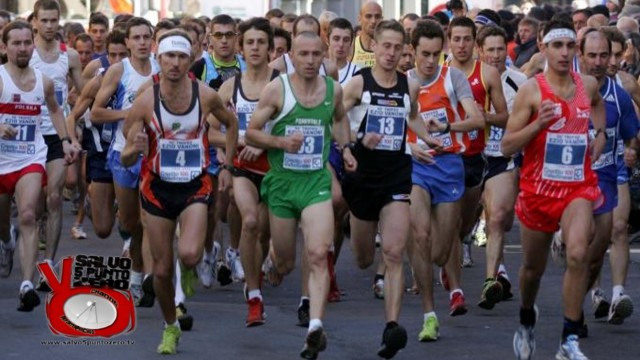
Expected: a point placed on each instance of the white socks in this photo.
(314, 324)
(255, 294)
(430, 314)
(136, 278)
(618, 290)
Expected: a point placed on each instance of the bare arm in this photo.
(137, 140)
(351, 95)
(90, 71)
(598, 115)
(519, 131)
(226, 117)
(415, 122)
(341, 128)
(75, 70)
(99, 113)
(82, 104)
(332, 69)
(268, 105)
(57, 119)
(497, 98)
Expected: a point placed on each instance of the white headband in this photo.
(174, 43)
(556, 34)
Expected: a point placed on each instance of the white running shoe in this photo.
(570, 350)
(77, 232)
(232, 256)
(480, 234)
(125, 248)
(558, 250)
(600, 303)
(205, 272)
(524, 341)
(621, 308)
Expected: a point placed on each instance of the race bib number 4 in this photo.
(564, 157)
(388, 122)
(24, 141)
(440, 115)
(309, 157)
(180, 160)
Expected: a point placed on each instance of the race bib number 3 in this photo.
(492, 147)
(440, 115)
(564, 157)
(388, 122)
(309, 157)
(180, 160)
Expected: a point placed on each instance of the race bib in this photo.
(607, 158)
(440, 115)
(564, 157)
(180, 160)
(59, 91)
(492, 148)
(473, 135)
(24, 141)
(244, 112)
(388, 122)
(309, 157)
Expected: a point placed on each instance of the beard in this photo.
(22, 62)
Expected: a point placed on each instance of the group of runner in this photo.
(409, 130)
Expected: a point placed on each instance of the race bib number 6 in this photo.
(564, 157)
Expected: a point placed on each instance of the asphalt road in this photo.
(354, 326)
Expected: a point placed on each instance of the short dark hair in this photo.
(557, 24)
(73, 28)
(307, 18)
(137, 21)
(462, 21)
(260, 24)
(490, 30)
(614, 35)
(410, 16)
(15, 25)
(341, 23)
(122, 18)
(164, 24)
(222, 19)
(586, 11)
(280, 32)
(426, 29)
(529, 21)
(115, 37)
(601, 9)
(277, 13)
(45, 5)
(443, 18)
(98, 18)
(190, 27)
(84, 37)
(391, 24)
(199, 23)
(289, 18)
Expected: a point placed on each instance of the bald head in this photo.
(305, 37)
(627, 24)
(370, 15)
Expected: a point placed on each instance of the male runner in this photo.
(99, 30)
(444, 99)
(167, 123)
(487, 92)
(250, 164)
(300, 111)
(124, 79)
(501, 179)
(369, 17)
(23, 90)
(557, 186)
(60, 64)
(384, 103)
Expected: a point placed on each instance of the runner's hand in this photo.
(7, 131)
(292, 143)
(141, 143)
(434, 125)
(70, 153)
(371, 140)
(434, 143)
(350, 162)
(546, 114)
(421, 154)
(630, 157)
(224, 180)
(250, 154)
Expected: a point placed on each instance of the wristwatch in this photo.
(66, 138)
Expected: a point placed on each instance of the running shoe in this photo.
(6, 256)
(467, 261)
(256, 312)
(430, 330)
(480, 234)
(456, 304)
(621, 308)
(303, 313)
(394, 339)
(235, 265)
(600, 304)
(77, 232)
(491, 294)
(148, 295)
(136, 293)
(570, 349)
(170, 340)
(506, 286)
(185, 320)
(378, 239)
(223, 274)
(29, 299)
(378, 289)
(444, 279)
(271, 274)
(126, 244)
(524, 341)
(558, 251)
(206, 272)
(43, 285)
(315, 342)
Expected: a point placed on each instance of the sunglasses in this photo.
(220, 35)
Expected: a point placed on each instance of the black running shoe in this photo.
(223, 273)
(394, 338)
(303, 314)
(185, 320)
(316, 342)
(506, 287)
(148, 295)
(28, 300)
